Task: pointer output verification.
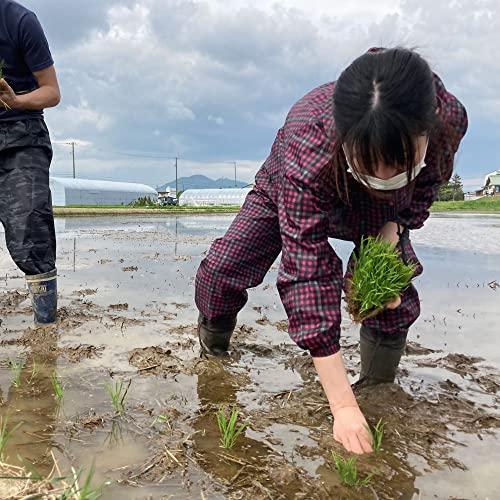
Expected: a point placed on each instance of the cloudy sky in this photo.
(211, 81)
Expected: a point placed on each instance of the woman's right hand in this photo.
(351, 430)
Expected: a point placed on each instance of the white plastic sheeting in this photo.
(212, 197)
(67, 192)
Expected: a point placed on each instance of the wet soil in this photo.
(442, 417)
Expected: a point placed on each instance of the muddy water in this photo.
(127, 313)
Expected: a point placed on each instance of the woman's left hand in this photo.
(389, 232)
(394, 304)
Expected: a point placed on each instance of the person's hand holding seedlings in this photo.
(390, 233)
(8, 97)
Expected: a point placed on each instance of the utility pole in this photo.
(176, 181)
(73, 150)
(235, 182)
(73, 144)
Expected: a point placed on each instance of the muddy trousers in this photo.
(242, 257)
(25, 199)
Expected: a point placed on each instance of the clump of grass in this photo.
(377, 435)
(16, 368)
(57, 386)
(5, 434)
(347, 470)
(227, 426)
(379, 277)
(118, 392)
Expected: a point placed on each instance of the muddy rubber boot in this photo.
(215, 335)
(380, 356)
(43, 291)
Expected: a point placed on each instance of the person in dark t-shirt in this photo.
(28, 86)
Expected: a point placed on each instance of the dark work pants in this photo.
(25, 200)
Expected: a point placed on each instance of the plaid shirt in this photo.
(310, 211)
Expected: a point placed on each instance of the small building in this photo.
(213, 197)
(473, 195)
(167, 196)
(492, 184)
(67, 192)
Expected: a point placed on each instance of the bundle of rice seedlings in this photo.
(379, 277)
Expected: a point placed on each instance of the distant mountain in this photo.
(201, 182)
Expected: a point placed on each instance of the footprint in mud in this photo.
(85, 293)
(119, 307)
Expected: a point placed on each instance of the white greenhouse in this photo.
(213, 197)
(66, 192)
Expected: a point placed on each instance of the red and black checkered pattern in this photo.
(295, 210)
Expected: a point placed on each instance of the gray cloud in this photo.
(209, 83)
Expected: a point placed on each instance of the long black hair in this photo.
(382, 103)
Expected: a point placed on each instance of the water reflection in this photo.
(31, 410)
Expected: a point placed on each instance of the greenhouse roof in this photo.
(98, 185)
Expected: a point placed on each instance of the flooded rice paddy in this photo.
(127, 313)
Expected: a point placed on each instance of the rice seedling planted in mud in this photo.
(118, 392)
(163, 420)
(35, 370)
(347, 470)
(379, 277)
(84, 491)
(16, 368)
(26, 482)
(57, 386)
(377, 435)
(5, 434)
(228, 427)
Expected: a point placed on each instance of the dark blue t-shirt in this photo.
(23, 50)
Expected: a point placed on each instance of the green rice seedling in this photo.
(57, 386)
(377, 435)
(85, 491)
(5, 434)
(228, 429)
(379, 277)
(347, 470)
(35, 370)
(118, 392)
(16, 368)
(164, 420)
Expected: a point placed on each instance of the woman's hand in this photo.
(349, 427)
(390, 233)
(351, 430)
(394, 304)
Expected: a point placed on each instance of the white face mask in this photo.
(397, 182)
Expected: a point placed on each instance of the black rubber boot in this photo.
(380, 356)
(215, 335)
(43, 291)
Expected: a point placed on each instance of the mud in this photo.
(442, 417)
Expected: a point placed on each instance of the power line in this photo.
(151, 156)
